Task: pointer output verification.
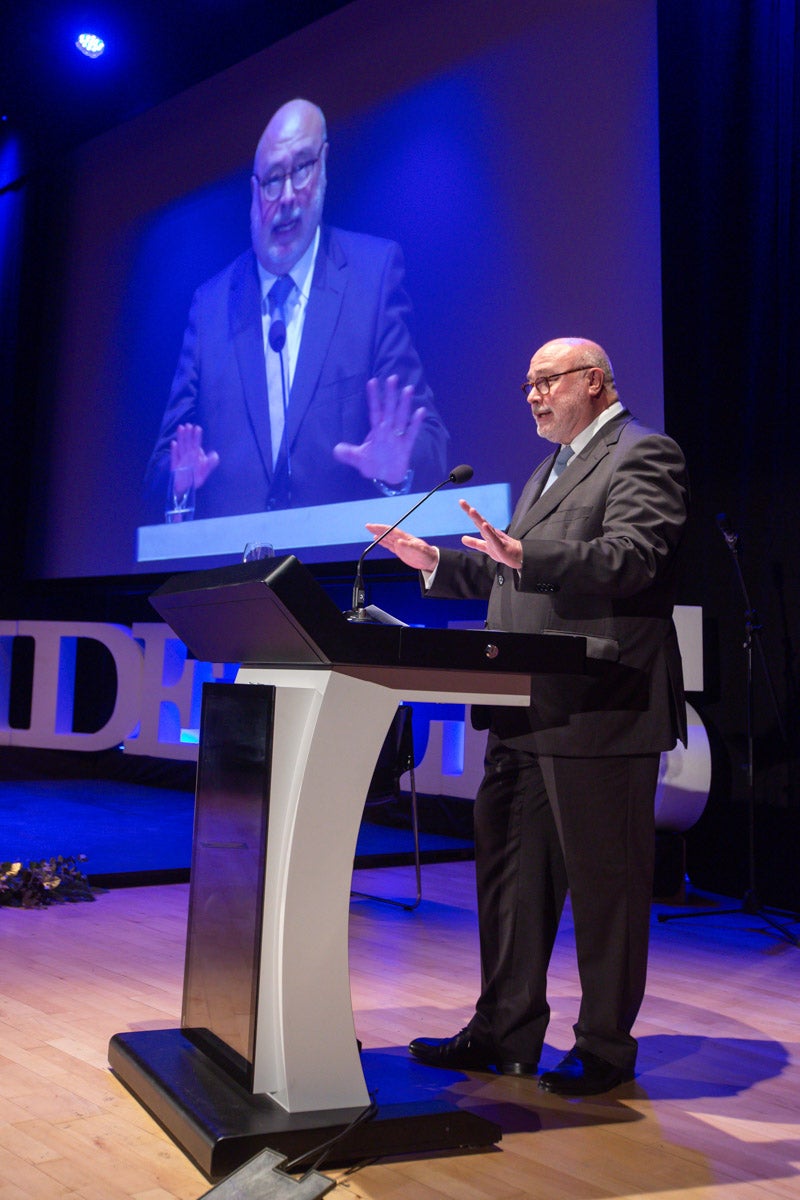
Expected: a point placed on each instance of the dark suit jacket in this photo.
(599, 556)
(356, 326)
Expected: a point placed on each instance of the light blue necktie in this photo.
(277, 296)
(562, 458)
(279, 293)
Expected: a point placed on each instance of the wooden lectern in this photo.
(266, 1054)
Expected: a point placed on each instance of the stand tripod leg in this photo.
(747, 909)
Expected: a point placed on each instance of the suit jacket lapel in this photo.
(322, 313)
(248, 341)
(541, 505)
(532, 491)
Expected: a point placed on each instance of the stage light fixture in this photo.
(90, 44)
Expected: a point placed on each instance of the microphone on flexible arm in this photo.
(277, 341)
(460, 474)
(725, 529)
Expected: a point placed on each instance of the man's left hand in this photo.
(386, 452)
(492, 542)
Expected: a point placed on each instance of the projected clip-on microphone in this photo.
(460, 474)
(277, 341)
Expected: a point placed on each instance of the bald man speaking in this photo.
(567, 799)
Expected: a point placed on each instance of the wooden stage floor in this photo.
(714, 1113)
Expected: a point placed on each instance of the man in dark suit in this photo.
(305, 396)
(567, 800)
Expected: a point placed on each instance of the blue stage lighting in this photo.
(90, 44)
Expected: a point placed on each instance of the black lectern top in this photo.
(273, 612)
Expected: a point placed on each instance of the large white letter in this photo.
(171, 693)
(53, 688)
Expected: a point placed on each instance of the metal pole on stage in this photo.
(751, 903)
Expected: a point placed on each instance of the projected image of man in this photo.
(298, 381)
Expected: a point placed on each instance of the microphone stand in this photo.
(751, 904)
(277, 341)
(358, 612)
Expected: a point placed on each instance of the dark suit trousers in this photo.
(542, 826)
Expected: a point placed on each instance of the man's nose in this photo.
(283, 197)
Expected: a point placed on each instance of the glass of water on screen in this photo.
(253, 551)
(180, 496)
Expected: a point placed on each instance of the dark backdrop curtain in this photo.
(15, 423)
(729, 75)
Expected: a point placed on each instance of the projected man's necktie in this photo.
(278, 294)
(278, 379)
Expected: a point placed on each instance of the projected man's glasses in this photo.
(272, 186)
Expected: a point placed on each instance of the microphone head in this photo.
(724, 526)
(277, 334)
(461, 474)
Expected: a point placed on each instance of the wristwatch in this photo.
(396, 489)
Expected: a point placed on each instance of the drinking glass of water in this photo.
(180, 496)
(256, 550)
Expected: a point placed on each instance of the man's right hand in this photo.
(187, 456)
(413, 551)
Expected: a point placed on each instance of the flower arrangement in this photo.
(42, 883)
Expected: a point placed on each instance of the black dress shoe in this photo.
(508, 1066)
(583, 1074)
(464, 1053)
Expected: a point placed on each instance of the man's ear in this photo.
(596, 380)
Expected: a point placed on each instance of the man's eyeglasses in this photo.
(542, 385)
(300, 175)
